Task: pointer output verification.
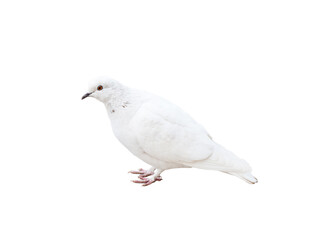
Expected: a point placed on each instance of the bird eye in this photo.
(100, 88)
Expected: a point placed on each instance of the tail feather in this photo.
(247, 177)
(225, 161)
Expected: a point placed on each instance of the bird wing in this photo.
(166, 132)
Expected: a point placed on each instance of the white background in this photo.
(243, 69)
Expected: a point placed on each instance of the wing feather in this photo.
(167, 133)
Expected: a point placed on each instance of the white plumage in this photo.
(162, 134)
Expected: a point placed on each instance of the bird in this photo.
(162, 134)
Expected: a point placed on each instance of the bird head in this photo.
(103, 89)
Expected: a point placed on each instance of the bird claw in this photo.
(142, 173)
(147, 181)
(139, 171)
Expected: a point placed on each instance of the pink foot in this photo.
(147, 181)
(142, 173)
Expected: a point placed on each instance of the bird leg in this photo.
(147, 181)
(144, 173)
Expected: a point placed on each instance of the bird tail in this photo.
(247, 177)
(227, 162)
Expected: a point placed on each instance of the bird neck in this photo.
(120, 100)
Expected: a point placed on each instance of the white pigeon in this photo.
(161, 134)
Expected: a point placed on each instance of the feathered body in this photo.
(163, 135)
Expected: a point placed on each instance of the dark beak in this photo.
(86, 95)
